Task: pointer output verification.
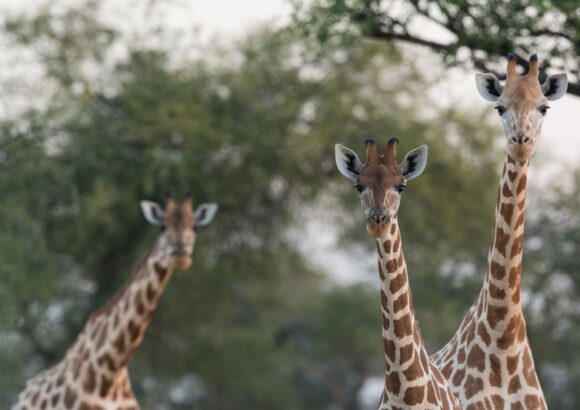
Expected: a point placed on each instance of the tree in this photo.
(476, 34)
(252, 127)
(552, 278)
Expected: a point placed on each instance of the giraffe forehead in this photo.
(378, 176)
(522, 89)
(179, 218)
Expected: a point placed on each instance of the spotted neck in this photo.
(411, 379)
(500, 299)
(114, 332)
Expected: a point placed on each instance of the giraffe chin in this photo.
(181, 262)
(378, 230)
(521, 152)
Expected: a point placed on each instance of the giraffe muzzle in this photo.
(378, 219)
(520, 138)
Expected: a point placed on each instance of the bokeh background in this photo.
(105, 102)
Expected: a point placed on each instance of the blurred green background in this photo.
(280, 309)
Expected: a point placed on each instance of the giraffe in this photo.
(412, 381)
(93, 374)
(488, 362)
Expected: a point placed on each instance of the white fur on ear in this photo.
(204, 214)
(555, 86)
(414, 163)
(488, 86)
(152, 212)
(347, 162)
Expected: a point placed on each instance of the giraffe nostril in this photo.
(526, 140)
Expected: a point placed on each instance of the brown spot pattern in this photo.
(512, 363)
(393, 382)
(387, 246)
(414, 395)
(90, 380)
(476, 358)
(505, 191)
(508, 338)
(496, 292)
(501, 240)
(392, 266)
(496, 314)
(397, 283)
(517, 246)
(400, 303)
(406, 353)
(507, 211)
(522, 184)
(414, 371)
(458, 377)
(514, 385)
(403, 327)
(497, 271)
(390, 350)
(495, 371)
(397, 244)
(473, 385)
(514, 278)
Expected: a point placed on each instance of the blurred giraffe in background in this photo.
(93, 374)
(412, 381)
(489, 362)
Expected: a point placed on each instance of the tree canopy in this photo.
(254, 324)
(476, 34)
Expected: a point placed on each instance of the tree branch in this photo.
(573, 87)
(384, 35)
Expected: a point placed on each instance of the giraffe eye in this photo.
(500, 110)
(401, 188)
(544, 109)
(359, 188)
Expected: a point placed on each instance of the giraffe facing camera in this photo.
(94, 375)
(380, 181)
(178, 223)
(522, 102)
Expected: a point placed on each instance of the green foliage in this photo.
(472, 33)
(552, 280)
(252, 127)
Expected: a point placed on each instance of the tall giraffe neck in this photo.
(113, 333)
(500, 299)
(410, 379)
(489, 360)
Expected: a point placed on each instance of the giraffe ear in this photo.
(204, 214)
(347, 162)
(488, 86)
(555, 86)
(414, 163)
(152, 212)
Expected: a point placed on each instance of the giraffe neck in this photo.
(408, 379)
(113, 333)
(500, 303)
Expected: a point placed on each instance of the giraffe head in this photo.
(521, 103)
(380, 181)
(178, 223)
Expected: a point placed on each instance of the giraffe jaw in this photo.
(378, 230)
(521, 152)
(181, 262)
